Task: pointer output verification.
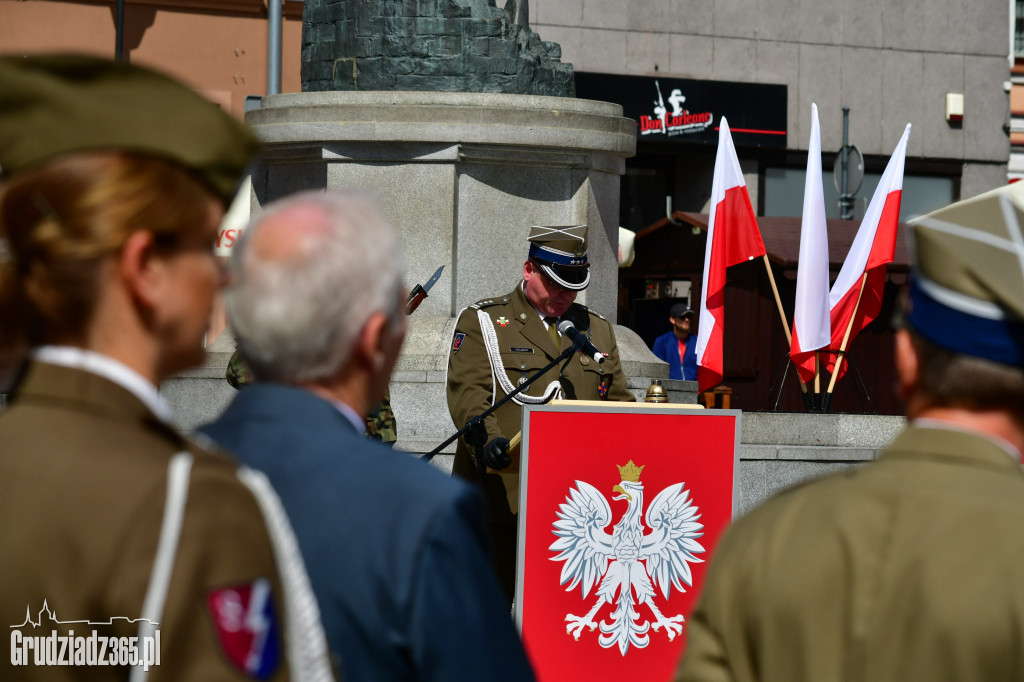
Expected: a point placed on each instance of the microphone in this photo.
(580, 341)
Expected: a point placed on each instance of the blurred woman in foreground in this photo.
(114, 182)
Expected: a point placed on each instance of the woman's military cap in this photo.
(561, 252)
(967, 289)
(52, 105)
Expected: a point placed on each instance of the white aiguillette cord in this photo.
(554, 389)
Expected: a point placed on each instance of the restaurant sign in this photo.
(677, 110)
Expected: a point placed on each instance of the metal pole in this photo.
(844, 199)
(274, 46)
(119, 32)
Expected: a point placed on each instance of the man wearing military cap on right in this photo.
(500, 342)
(911, 567)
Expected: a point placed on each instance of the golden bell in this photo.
(656, 393)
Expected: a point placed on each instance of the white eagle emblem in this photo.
(635, 559)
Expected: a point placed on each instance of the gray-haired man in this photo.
(396, 550)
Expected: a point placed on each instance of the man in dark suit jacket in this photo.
(396, 550)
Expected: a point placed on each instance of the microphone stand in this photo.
(478, 439)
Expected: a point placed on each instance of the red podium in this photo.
(620, 508)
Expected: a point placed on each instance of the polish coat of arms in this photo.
(627, 564)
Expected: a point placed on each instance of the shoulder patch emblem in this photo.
(246, 625)
(457, 342)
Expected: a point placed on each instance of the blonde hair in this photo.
(58, 224)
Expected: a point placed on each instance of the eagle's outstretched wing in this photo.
(582, 543)
(672, 543)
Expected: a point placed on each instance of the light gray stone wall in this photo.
(981, 177)
(891, 63)
(779, 450)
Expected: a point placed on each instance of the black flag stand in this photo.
(777, 386)
(811, 401)
(862, 393)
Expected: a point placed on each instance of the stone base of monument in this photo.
(199, 395)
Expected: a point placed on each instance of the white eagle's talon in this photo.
(576, 624)
(673, 626)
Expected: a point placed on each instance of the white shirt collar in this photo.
(108, 368)
(1004, 444)
(358, 423)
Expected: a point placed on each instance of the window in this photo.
(784, 193)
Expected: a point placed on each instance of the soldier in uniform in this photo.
(237, 374)
(115, 179)
(908, 568)
(499, 342)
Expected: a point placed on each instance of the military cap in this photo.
(561, 252)
(52, 105)
(967, 288)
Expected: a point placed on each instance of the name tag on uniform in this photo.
(515, 349)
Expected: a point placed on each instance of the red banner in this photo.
(621, 507)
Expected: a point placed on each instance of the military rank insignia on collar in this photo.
(457, 342)
(246, 625)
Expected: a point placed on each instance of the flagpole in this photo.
(782, 316)
(817, 373)
(842, 348)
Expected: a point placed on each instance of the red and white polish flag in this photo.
(873, 248)
(811, 324)
(733, 237)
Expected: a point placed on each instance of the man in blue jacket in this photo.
(678, 347)
(396, 550)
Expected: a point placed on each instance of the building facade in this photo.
(219, 47)
(762, 63)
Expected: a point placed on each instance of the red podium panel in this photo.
(620, 508)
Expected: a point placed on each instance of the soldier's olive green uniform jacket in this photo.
(524, 347)
(84, 468)
(909, 568)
